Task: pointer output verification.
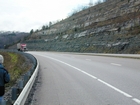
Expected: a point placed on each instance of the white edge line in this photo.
(136, 100)
(118, 90)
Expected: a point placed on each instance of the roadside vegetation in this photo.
(16, 64)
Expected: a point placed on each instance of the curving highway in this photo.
(73, 79)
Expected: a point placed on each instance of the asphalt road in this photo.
(72, 79)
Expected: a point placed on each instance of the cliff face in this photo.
(110, 27)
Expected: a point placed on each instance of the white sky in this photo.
(24, 15)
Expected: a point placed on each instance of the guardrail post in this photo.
(26, 78)
(29, 73)
(14, 94)
(20, 85)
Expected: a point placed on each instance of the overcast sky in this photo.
(24, 15)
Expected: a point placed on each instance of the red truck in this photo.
(21, 47)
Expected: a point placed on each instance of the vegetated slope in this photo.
(8, 38)
(109, 27)
(16, 64)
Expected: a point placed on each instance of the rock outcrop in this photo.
(109, 27)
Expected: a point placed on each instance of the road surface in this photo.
(72, 79)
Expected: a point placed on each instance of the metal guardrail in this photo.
(20, 92)
(26, 90)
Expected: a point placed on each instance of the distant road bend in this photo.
(72, 79)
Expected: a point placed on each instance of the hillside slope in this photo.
(8, 38)
(16, 64)
(109, 27)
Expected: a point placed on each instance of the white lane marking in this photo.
(88, 74)
(118, 90)
(105, 83)
(88, 59)
(116, 64)
(136, 100)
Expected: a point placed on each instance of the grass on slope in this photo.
(16, 65)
